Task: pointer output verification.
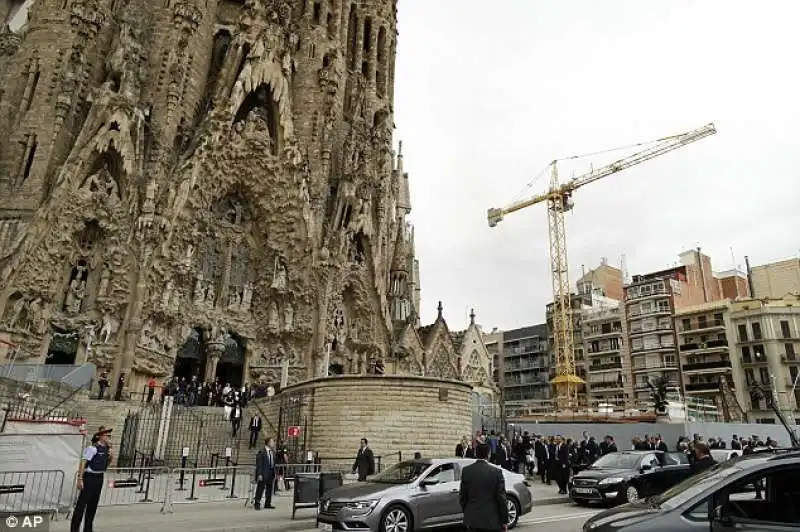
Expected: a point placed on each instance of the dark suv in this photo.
(759, 492)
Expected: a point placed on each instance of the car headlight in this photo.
(611, 480)
(362, 506)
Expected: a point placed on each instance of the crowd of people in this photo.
(556, 459)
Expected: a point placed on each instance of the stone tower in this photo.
(205, 187)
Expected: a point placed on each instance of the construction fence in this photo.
(52, 492)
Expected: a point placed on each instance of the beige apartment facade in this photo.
(776, 279)
(608, 359)
(706, 342)
(768, 345)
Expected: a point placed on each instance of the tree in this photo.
(658, 394)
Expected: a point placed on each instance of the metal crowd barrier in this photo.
(34, 492)
(50, 492)
(135, 485)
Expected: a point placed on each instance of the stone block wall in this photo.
(405, 414)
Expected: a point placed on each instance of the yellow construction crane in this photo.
(559, 201)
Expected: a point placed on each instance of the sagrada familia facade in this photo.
(210, 188)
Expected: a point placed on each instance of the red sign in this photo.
(293, 432)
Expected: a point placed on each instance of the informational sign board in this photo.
(293, 431)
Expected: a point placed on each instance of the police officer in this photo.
(94, 462)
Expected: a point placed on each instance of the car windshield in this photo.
(616, 461)
(694, 485)
(400, 473)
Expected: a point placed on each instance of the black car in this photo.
(628, 476)
(720, 499)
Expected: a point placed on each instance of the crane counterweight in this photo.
(559, 201)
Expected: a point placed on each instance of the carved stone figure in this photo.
(247, 296)
(211, 295)
(279, 275)
(274, 322)
(102, 287)
(166, 295)
(199, 291)
(288, 318)
(108, 328)
(234, 301)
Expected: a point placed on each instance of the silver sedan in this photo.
(411, 495)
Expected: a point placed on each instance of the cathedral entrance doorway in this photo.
(191, 355)
(230, 369)
(63, 349)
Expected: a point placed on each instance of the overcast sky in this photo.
(487, 93)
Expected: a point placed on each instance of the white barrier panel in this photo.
(40, 452)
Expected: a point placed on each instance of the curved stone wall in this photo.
(405, 414)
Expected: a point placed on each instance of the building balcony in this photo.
(705, 327)
(702, 387)
(605, 385)
(654, 330)
(604, 351)
(532, 367)
(666, 366)
(602, 334)
(605, 367)
(754, 361)
(724, 365)
(655, 312)
(652, 293)
(644, 350)
(705, 346)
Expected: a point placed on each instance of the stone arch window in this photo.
(380, 74)
(367, 47)
(317, 12)
(219, 52)
(33, 74)
(223, 275)
(259, 113)
(352, 37)
(331, 19)
(29, 147)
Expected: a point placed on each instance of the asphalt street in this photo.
(556, 518)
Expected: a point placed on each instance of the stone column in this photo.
(215, 349)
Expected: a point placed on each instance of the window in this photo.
(790, 354)
(443, 473)
(746, 357)
(699, 512)
(756, 331)
(686, 324)
(742, 333)
(766, 497)
(785, 330)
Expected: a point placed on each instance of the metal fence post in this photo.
(233, 485)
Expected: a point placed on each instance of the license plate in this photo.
(325, 527)
(586, 491)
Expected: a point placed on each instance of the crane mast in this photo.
(559, 201)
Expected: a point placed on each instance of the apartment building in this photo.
(768, 344)
(706, 339)
(776, 279)
(523, 367)
(608, 360)
(605, 280)
(733, 284)
(650, 302)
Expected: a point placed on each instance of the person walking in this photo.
(364, 465)
(483, 495)
(265, 475)
(94, 462)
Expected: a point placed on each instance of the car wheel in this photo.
(396, 519)
(513, 512)
(631, 493)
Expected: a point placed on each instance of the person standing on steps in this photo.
(255, 430)
(95, 460)
(265, 475)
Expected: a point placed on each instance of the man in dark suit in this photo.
(561, 464)
(265, 475)
(365, 461)
(255, 430)
(483, 495)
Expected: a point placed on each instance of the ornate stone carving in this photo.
(279, 276)
(108, 328)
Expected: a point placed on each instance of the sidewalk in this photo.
(200, 517)
(233, 516)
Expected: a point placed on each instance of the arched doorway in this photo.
(63, 348)
(230, 369)
(191, 356)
